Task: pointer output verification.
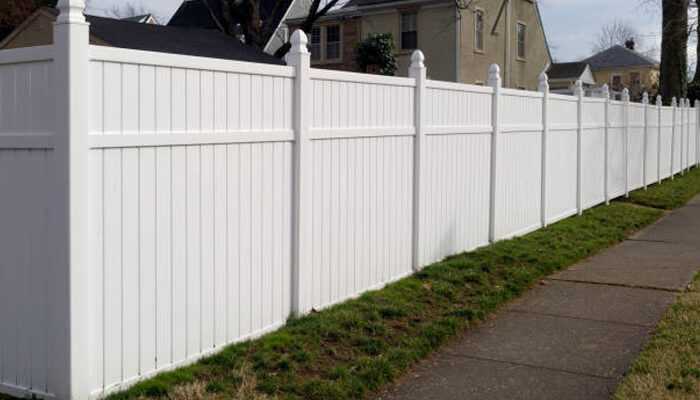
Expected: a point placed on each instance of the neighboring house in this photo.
(622, 67)
(37, 30)
(209, 14)
(563, 77)
(459, 45)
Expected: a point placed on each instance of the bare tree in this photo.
(312, 16)
(615, 33)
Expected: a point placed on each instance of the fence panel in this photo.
(518, 181)
(652, 152)
(192, 196)
(362, 156)
(30, 280)
(636, 146)
(561, 159)
(593, 152)
(616, 149)
(458, 159)
(676, 140)
(666, 141)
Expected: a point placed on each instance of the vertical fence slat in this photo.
(578, 92)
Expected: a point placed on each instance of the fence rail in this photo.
(173, 205)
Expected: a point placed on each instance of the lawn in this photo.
(351, 350)
(671, 193)
(669, 366)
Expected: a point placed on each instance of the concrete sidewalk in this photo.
(574, 335)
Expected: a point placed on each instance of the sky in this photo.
(571, 25)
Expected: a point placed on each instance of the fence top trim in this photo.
(151, 58)
(26, 55)
(355, 77)
(458, 87)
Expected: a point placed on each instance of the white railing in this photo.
(157, 207)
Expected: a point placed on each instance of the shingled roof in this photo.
(202, 13)
(617, 57)
(569, 70)
(168, 39)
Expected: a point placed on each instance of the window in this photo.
(315, 45)
(616, 82)
(333, 42)
(409, 33)
(479, 30)
(326, 43)
(636, 78)
(522, 33)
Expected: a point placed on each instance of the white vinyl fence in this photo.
(156, 207)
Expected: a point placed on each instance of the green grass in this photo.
(669, 366)
(353, 349)
(671, 193)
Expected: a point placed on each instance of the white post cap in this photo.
(494, 79)
(70, 12)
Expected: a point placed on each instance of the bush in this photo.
(376, 54)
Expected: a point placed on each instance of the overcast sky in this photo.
(571, 25)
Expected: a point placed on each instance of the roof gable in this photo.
(619, 56)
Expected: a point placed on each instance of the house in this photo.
(563, 77)
(209, 14)
(37, 30)
(622, 67)
(459, 42)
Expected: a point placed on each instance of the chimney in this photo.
(629, 43)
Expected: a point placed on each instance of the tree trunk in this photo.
(696, 78)
(674, 49)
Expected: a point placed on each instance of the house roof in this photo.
(168, 39)
(139, 18)
(619, 56)
(196, 14)
(569, 70)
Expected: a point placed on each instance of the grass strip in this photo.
(669, 194)
(350, 350)
(669, 366)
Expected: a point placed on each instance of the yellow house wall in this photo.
(436, 38)
(650, 76)
(523, 73)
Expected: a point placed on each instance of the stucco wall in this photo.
(436, 38)
(650, 78)
(523, 73)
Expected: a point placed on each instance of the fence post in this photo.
(606, 94)
(72, 317)
(645, 102)
(300, 59)
(418, 72)
(658, 138)
(626, 119)
(578, 92)
(494, 81)
(544, 89)
(673, 135)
